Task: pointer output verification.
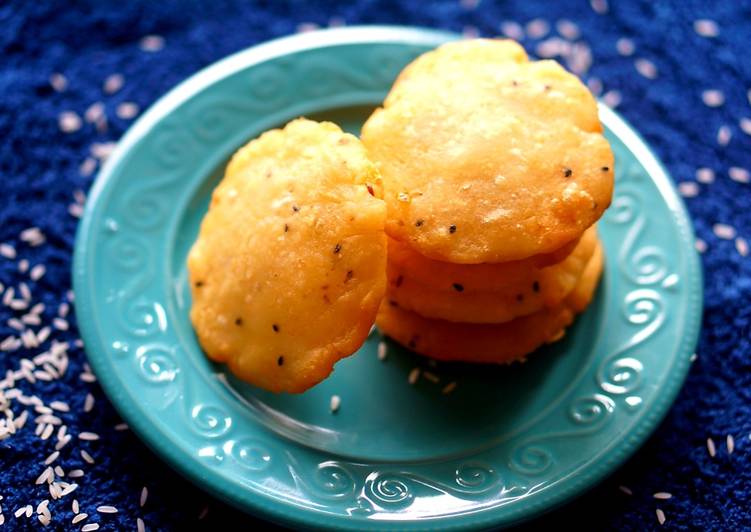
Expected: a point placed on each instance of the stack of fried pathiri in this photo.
(494, 171)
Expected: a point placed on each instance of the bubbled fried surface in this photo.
(289, 267)
(487, 157)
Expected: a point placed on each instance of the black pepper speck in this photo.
(399, 281)
(280, 361)
(567, 172)
(458, 287)
(275, 327)
(419, 223)
(337, 248)
(238, 321)
(536, 286)
(452, 229)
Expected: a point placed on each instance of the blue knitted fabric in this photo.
(664, 96)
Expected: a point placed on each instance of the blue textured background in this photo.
(40, 169)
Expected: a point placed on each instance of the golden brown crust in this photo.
(487, 157)
(487, 343)
(545, 288)
(289, 267)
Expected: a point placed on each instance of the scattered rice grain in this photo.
(724, 231)
(79, 517)
(612, 98)
(74, 506)
(706, 28)
(739, 175)
(450, 387)
(432, 377)
(7, 251)
(512, 30)
(47, 432)
(127, 110)
(87, 168)
(88, 436)
(60, 406)
(730, 443)
(688, 189)
(741, 245)
(537, 28)
(625, 46)
(58, 82)
(413, 375)
(660, 516)
(121, 426)
(113, 83)
(152, 43)
(599, 6)
(90, 527)
(140, 527)
(646, 68)
(382, 350)
(724, 135)
(335, 403)
(567, 29)
(87, 457)
(76, 473)
(60, 324)
(662, 495)
(106, 509)
(711, 447)
(144, 496)
(88, 403)
(745, 125)
(713, 98)
(69, 122)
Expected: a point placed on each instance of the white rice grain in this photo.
(63, 309)
(512, 30)
(152, 43)
(537, 28)
(46, 476)
(745, 125)
(60, 406)
(432, 377)
(76, 473)
(705, 175)
(47, 432)
(88, 436)
(706, 28)
(599, 6)
(144, 496)
(74, 506)
(58, 82)
(88, 403)
(662, 495)
(646, 68)
(79, 517)
(51, 458)
(90, 527)
(414, 375)
(739, 175)
(450, 387)
(127, 110)
(335, 403)
(626, 490)
(87, 168)
(660, 516)
(567, 29)
(741, 245)
(121, 426)
(106, 509)
(625, 46)
(688, 189)
(7, 251)
(382, 350)
(140, 527)
(724, 135)
(612, 98)
(113, 83)
(60, 324)
(713, 98)
(69, 122)
(730, 443)
(87, 457)
(724, 231)
(711, 447)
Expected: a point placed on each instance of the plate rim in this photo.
(275, 510)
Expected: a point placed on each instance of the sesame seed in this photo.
(705, 175)
(711, 447)
(69, 122)
(599, 6)
(113, 83)
(713, 98)
(537, 28)
(662, 495)
(144, 496)
(512, 30)
(7, 251)
(79, 517)
(382, 350)
(612, 98)
(413, 375)
(724, 135)
(706, 28)
(730, 443)
(646, 68)
(724, 231)
(660, 516)
(625, 490)
(58, 82)
(739, 175)
(152, 43)
(88, 436)
(334, 403)
(127, 110)
(688, 189)
(106, 509)
(625, 46)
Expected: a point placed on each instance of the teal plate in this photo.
(506, 445)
